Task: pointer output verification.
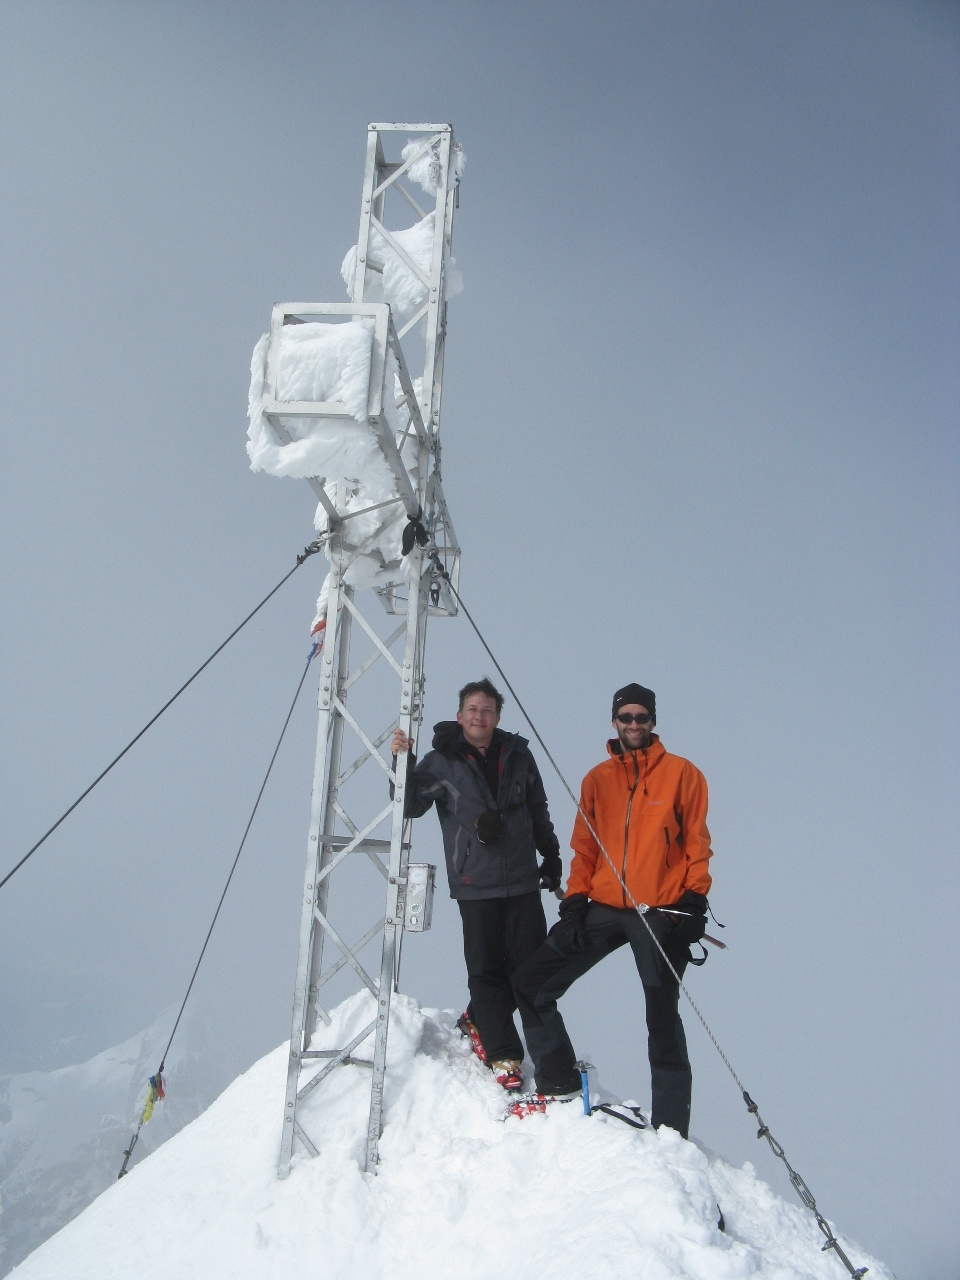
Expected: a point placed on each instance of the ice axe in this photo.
(671, 911)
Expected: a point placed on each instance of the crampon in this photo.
(507, 1074)
(470, 1032)
(532, 1104)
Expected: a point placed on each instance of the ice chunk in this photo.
(330, 362)
(319, 362)
(399, 284)
(425, 170)
(323, 361)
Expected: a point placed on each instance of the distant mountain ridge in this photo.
(63, 1132)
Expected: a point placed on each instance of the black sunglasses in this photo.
(627, 718)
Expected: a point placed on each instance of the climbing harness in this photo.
(308, 551)
(156, 1088)
(642, 908)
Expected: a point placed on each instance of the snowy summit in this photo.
(460, 1190)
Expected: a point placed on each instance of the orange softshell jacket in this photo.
(649, 809)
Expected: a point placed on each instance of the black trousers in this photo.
(498, 934)
(542, 979)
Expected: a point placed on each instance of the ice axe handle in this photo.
(583, 1068)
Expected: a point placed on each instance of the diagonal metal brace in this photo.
(343, 1053)
(348, 955)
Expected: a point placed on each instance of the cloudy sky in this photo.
(700, 431)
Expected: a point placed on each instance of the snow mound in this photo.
(460, 1190)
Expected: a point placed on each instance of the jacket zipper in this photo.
(626, 829)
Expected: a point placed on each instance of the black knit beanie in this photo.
(638, 694)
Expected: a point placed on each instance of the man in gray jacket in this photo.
(494, 818)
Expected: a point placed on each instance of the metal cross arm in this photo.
(384, 337)
(339, 1056)
(351, 845)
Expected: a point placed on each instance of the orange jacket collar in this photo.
(655, 750)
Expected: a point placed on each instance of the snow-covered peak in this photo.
(460, 1190)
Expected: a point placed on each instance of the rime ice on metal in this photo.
(347, 397)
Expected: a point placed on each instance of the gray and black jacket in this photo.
(450, 778)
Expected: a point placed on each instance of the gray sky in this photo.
(700, 431)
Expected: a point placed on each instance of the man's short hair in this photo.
(482, 686)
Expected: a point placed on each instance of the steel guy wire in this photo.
(307, 551)
(263, 786)
(641, 908)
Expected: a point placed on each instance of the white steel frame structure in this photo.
(337, 831)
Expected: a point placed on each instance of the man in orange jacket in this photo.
(640, 840)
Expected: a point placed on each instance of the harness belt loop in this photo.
(697, 961)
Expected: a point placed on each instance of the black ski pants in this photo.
(498, 934)
(540, 982)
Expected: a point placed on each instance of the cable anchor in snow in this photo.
(127, 1154)
(155, 1094)
(803, 1191)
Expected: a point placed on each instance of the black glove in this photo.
(489, 826)
(692, 925)
(569, 934)
(551, 871)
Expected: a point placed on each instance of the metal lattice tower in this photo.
(350, 801)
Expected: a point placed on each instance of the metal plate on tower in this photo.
(418, 912)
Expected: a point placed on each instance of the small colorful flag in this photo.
(154, 1094)
(318, 634)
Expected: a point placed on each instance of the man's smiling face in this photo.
(478, 719)
(633, 726)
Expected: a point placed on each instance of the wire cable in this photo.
(163, 1061)
(307, 551)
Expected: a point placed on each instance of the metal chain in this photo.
(802, 1190)
(642, 908)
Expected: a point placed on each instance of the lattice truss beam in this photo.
(372, 662)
